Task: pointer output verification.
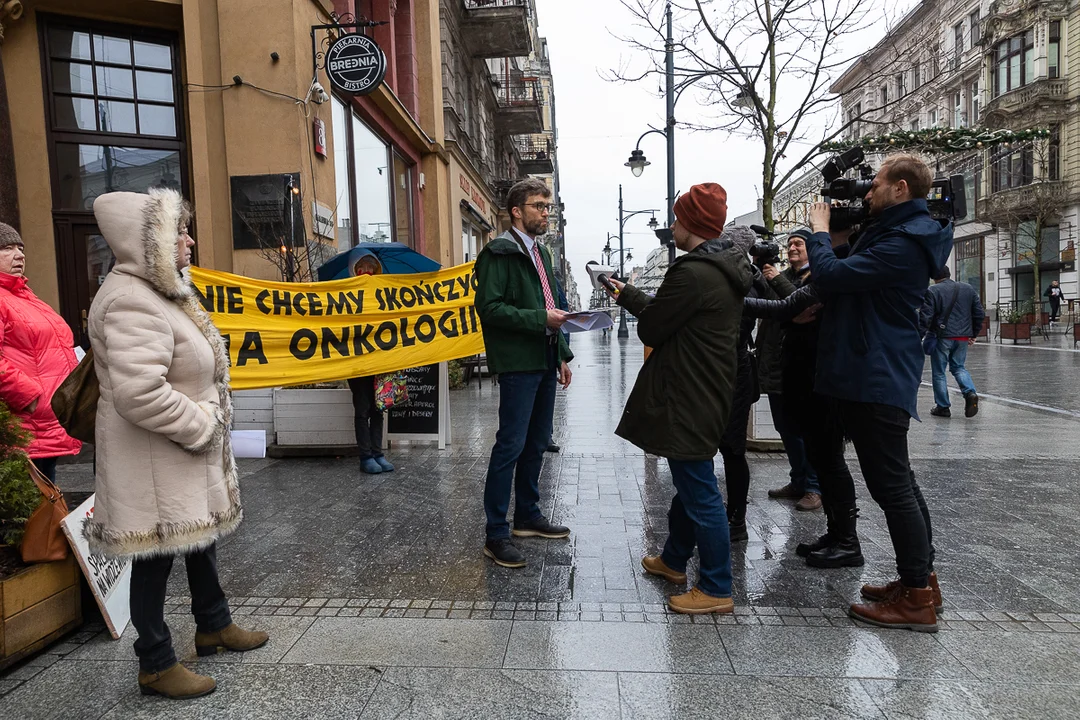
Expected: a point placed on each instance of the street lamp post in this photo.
(624, 332)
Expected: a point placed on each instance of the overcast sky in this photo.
(598, 123)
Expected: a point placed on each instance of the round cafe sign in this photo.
(355, 64)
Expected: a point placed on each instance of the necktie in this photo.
(549, 299)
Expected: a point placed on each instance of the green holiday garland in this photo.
(946, 140)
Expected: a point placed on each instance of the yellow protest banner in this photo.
(282, 333)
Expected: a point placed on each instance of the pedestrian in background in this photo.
(166, 481)
(953, 312)
(36, 355)
(803, 484)
(367, 417)
(683, 396)
(1056, 297)
(517, 304)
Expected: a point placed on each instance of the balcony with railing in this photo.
(518, 106)
(498, 28)
(1012, 204)
(536, 153)
(1044, 96)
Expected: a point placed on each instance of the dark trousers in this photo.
(526, 411)
(1055, 309)
(367, 418)
(879, 433)
(47, 466)
(737, 482)
(697, 518)
(823, 439)
(149, 577)
(803, 475)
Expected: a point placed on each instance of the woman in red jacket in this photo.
(36, 354)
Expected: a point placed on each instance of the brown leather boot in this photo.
(696, 602)
(176, 683)
(878, 593)
(655, 566)
(233, 638)
(908, 609)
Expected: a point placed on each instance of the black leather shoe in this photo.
(939, 411)
(840, 554)
(503, 552)
(804, 549)
(552, 448)
(971, 404)
(737, 532)
(541, 527)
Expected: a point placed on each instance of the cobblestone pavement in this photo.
(380, 604)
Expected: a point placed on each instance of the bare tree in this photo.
(764, 69)
(296, 256)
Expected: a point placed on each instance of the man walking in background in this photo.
(517, 303)
(953, 312)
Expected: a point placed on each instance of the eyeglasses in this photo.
(540, 206)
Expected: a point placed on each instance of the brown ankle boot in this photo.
(654, 565)
(233, 638)
(878, 593)
(176, 683)
(908, 609)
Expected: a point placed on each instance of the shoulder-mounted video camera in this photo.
(766, 251)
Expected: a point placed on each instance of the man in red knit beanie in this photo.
(683, 396)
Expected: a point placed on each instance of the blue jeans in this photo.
(526, 409)
(951, 353)
(697, 517)
(803, 476)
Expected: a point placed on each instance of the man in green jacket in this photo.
(518, 307)
(680, 404)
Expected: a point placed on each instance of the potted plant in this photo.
(1015, 323)
(38, 603)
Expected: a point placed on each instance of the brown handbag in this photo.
(43, 538)
(75, 402)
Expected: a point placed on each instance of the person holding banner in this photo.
(167, 484)
(368, 418)
(515, 297)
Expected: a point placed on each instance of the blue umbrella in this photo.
(396, 259)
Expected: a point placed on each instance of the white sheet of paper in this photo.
(249, 443)
(588, 320)
(79, 354)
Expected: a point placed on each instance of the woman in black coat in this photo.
(816, 418)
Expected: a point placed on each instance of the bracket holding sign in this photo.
(426, 417)
(353, 62)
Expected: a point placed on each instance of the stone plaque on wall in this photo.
(261, 210)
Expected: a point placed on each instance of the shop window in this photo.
(969, 263)
(374, 184)
(113, 110)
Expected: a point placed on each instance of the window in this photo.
(973, 25)
(1012, 169)
(374, 184)
(856, 115)
(1053, 51)
(914, 125)
(884, 95)
(901, 91)
(917, 76)
(113, 112)
(969, 256)
(973, 114)
(932, 119)
(1053, 154)
(958, 43)
(1014, 62)
(958, 110)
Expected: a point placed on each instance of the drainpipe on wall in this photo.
(9, 197)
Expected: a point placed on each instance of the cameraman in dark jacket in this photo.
(953, 312)
(870, 359)
(682, 398)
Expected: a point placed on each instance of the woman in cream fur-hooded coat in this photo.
(166, 478)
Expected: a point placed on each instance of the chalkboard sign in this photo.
(426, 416)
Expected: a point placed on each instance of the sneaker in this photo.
(541, 527)
(385, 464)
(810, 501)
(655, 566)
(971, 404)
(503, 552)
(788, 492)
(370, 466)
(696, 602)
(939, 411)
